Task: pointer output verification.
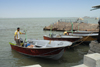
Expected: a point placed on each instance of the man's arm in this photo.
(22, 33)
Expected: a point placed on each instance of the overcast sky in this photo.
(48, 8)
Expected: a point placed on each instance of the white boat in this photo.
(61, 37)
(86, 37)
(89, 34)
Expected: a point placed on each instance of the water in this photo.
(34, 27)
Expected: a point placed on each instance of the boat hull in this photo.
(61, 39)
(52, 53)
(88, 38)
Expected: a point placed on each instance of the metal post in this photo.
(98, 39)
(51, 31)
(78, 26)
(97, 7)
(72, 27)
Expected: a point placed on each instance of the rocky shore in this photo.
(67, 26)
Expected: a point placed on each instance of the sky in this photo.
(48, 8)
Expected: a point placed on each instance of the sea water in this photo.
(34, 29)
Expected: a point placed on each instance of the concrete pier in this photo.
(82, 65)
(94, 47)
(90, 60)
(67, 26)
(36, 65)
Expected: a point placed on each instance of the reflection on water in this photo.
(34, 27)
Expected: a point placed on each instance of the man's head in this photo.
(18, 29)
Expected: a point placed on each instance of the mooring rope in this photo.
(82, 40)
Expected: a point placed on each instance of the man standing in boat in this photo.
(17, 37)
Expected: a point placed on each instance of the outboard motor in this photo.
(21, 41)
(25, 43)
(51, 35)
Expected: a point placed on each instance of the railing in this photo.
(72, 20)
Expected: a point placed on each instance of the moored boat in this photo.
(86, 37)
(73, 37)
(62, 37)
(43, 48)
(82, 32)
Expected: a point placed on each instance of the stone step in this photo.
(92, 60)
(82, 65)
(36, 65)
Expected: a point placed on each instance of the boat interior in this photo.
(48, 44)
(62, 36)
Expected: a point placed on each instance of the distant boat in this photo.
(43, 48)
(86, 17)
(96, 18)
(80, 19)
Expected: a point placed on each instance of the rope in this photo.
(81, 40)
